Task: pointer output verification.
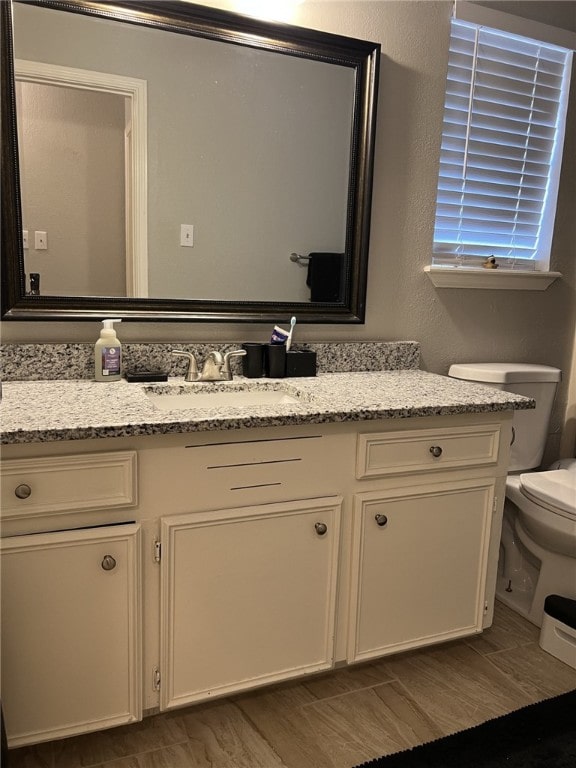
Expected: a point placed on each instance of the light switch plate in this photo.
(187, 235)
(40, 241)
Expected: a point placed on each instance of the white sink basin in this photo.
(186, 399)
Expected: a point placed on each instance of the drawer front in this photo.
(426, 450)
(35, 487)
(245, 472)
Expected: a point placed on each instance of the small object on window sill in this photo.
(490, 263)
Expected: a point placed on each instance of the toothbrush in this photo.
(289, 339)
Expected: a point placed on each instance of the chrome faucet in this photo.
(216, 366)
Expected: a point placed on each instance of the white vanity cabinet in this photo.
(266, 554)
(419, 566)
(248, 597)
(70, 599)
(248, 549)
(70, 632)
(421, 541)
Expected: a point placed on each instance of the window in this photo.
(502, 138)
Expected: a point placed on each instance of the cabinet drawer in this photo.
(34, 487)
(247, 471)
(426, 450)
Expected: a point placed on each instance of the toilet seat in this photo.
(554, 489)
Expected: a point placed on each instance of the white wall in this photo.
(451, 325)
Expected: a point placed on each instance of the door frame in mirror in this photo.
(185, 18)
(134, 92)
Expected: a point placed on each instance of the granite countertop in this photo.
(43, 411)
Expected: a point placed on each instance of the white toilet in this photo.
(538, 545)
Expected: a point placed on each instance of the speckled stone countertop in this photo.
(43, 411)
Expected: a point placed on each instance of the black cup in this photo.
(253, 360)
(275, 360)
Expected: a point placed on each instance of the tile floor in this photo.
(335, 720)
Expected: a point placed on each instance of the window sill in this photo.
(495, 279)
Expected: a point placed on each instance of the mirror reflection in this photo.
(67, 136)
(165, 166)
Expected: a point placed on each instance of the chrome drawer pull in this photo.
(23, 491)
(436, 451)
(108, 563)
(382, 520)
(321, 528)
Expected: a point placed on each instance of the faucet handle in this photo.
(233, 353)
(227, 356)
(192, 372)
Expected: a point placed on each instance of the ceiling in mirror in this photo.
(184, 163)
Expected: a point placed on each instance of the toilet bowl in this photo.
(548, 509)
(538, 546)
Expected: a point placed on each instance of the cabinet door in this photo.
(248, 597)
(419, 566)
(70, 632)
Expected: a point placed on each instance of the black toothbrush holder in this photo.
(253, 360)
(301, 363)
(275, 360)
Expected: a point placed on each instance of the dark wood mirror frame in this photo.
(184, 18)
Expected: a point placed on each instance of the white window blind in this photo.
(502, 137)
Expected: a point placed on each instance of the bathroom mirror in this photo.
(243, 165)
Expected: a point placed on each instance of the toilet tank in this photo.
(530, 426)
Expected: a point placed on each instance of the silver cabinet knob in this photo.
(23, 491)
(108, 563)
(382, 520)
(321, 528)
(436, 451)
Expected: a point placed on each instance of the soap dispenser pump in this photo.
(108, 354)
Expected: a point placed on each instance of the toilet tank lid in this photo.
(504, 373)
